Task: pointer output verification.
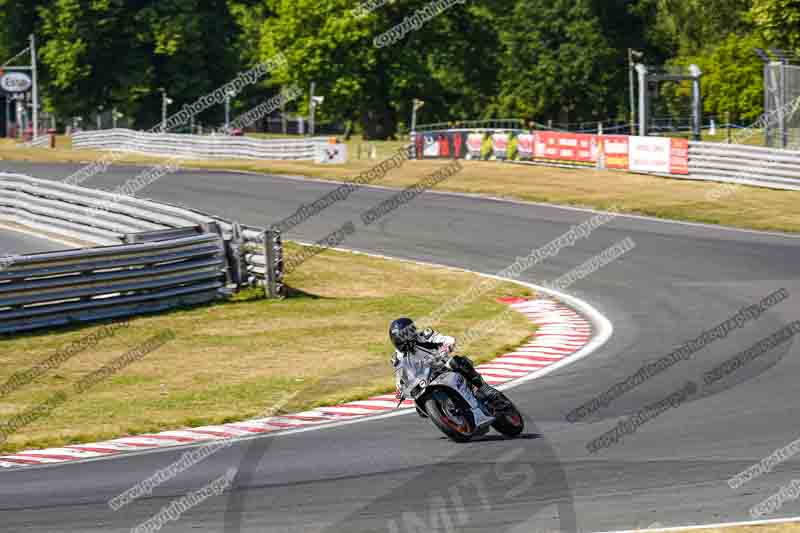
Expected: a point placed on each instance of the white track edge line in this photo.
(710, 526)
(602, 324)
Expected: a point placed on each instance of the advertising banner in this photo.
(431, 148)
(571, 147)
(525, 143)
(419, 145)
(459, 145)
(474, 145)
(331, 154)
(615, 148)
(650, 154)
(679, 156)
(500, 145)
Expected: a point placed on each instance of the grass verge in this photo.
(745, 207)
(788, 527)
(327, 343)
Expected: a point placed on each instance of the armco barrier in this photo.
(746, 165)
(155, 256)
(197, 146)
(57, 288)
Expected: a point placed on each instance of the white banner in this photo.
(649, 154)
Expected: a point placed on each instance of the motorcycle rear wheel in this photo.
(451, 414)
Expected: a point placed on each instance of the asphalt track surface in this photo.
(13, 242)
(398, 474)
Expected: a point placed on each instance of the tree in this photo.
(449, 62)
(696, 25)
(732, 78)
(119, 53)
(778, 21)
(556, 60)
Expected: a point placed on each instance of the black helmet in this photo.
(403, 333)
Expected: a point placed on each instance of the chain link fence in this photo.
(781, 88)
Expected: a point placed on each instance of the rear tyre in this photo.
(509, 422)
(451, 414)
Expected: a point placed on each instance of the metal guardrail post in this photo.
(273, 252)
(234, 251)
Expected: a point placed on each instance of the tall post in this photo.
(35, 87)
(632, 92)
(312, 105)
(163, 110)
(227, 111)
(413, 115)
(8, 116)
(643, 97)
(783, 122)
(697, 103)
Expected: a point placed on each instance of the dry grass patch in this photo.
(234, 360)
(789, 527)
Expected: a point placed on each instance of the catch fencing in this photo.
(781, 86)
(197, 146)
(140, 256)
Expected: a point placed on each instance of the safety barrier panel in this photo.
(156, 256)
(746, 165)
(58, 288)
(197, 146)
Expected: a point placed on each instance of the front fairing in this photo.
(412, 375)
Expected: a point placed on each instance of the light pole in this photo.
(99, 117)
(165, 101)
(35, 89)
(114, 116)
(631, 55)
(315, 101)
(228, 95)
(415, 104)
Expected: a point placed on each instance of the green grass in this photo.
(238, 359)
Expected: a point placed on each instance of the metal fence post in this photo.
(273, 253)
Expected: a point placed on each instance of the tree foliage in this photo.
(532, 59)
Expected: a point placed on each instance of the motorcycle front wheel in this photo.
(509, 422)
(451, 414)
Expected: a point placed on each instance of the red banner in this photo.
(615, 148)
(679, 156)
(572, 147)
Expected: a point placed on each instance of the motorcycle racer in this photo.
(408, 341)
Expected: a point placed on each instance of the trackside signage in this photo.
(15, 82)
(659, 154)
